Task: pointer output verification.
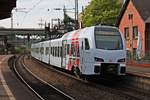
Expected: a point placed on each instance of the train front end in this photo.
(110, 52)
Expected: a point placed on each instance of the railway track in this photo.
(95, 90)
(42, 89)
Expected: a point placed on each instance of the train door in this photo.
(40, 52)
(85, 55)
(49, 55)
(82, 53)
(64, 53)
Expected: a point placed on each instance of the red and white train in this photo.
(96, 50)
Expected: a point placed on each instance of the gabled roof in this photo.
(142, 6)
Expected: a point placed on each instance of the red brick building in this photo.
(134, 18)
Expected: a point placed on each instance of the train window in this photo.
(73, 50)
(61, 51)
(37, 50)
(42, 50)
(68, 47)
(108, 39)
(78, 53)
(56, 54)
(64, 51)
(82, 45)
(58, 51)
(55, 51)
(87, 46)
(51, 50)
(47, 51)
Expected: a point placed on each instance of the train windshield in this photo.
(108, 39)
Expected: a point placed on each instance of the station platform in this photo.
(11, 88)
(139, 69)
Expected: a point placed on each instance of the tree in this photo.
(101, 12)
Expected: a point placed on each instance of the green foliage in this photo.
(101, 12)
(20, 50)
(2, 50)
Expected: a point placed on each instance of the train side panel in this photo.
(45, 56)
(56, 52)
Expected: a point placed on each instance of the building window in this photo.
(135, 32)
(130, 16)
(126, 32)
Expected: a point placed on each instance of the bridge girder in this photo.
(10, 31)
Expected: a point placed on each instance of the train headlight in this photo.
(98, 59)
(122, 60)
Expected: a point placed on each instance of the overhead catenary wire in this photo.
(34, 6)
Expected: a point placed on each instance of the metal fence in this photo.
(132, 57)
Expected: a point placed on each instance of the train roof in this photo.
(69, 35)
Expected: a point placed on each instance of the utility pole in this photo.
(76, 14)
(41, 24)
(11, 20)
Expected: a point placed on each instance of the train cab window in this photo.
(87, 46)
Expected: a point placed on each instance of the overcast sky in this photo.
(30, 12)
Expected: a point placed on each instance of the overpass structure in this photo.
(9, 31)
(11, 38)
